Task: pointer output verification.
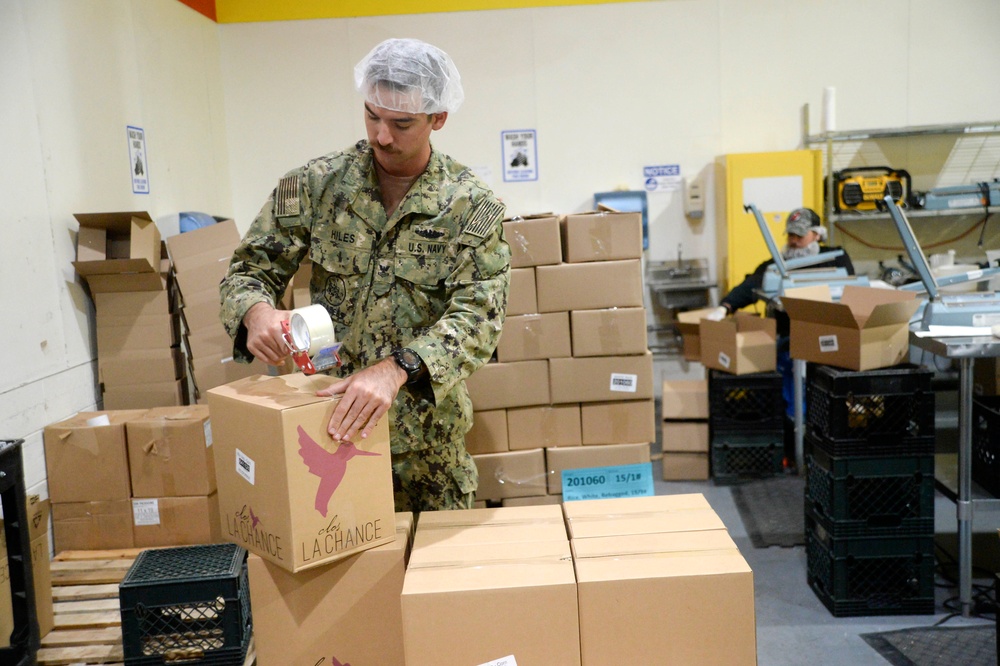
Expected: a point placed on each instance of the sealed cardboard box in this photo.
(625, 506)
(534, 500)
(510, 474)
(480, 603)
(617, 422)
(92, 525)
(739, 345)
(589, 286)
(544, 426)
(690, 600)
(533, 240)
(683, 512)
(686, 436)
(348, 612)
(867, 329)
(504, 385)
(582, 457)
(86, 457)
(175, 521)
(685, 466)
(118, 252)
(533, 524)
(685, 399)
(287, 491)
(602, 236)
(521, 298)
(609, 332)
(488, 433)
(41, 574)
(212, 371)
(688, 326)
(601, 378)
(534, 336)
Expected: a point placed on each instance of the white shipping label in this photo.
(724, 360)
(828, 343)
(145, 512)
(244, 466)
(624, 383)
(502, 661)
(208, 433)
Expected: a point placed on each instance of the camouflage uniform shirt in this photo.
(432, 277)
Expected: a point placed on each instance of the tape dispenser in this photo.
(308, 332)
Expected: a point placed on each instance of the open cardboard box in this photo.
(739, 345)
(687, 325)
(118, 251)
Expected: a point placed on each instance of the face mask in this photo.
(796, 252)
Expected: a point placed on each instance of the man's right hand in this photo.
(264, 339)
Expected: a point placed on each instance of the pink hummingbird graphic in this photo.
(329, 467)
(254, 520)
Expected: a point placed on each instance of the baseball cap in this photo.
(800, 221)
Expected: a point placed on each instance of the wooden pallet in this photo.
(88, 628)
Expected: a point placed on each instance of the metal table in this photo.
(964, 351)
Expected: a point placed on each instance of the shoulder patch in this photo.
(286, 197)
(482, 221)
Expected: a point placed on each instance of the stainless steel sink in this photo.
(675, 285)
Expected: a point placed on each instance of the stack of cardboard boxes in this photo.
(685, 440)
(139, 361)
(573, 383)
(126, 478)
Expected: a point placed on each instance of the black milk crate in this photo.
(871, 576)
(187, 605)
(743, 403)
(856, 411)
(871, 496)
(986, 443)
(736, 457)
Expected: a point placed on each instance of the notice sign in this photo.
(662, 178)
(520, 155)
(608, 482)
(137, 160)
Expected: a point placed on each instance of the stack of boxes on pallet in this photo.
(138, 334)
(127, 478)
(870, 489)
(572, 386)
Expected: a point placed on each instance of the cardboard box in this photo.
(687, 325)
(41, 575)
(202, 311)
(533, 240)
(589, 286)
(478, 604)
(348, 612)
(534, 500)
(601, 378)
(602, 236)
(140, 366)
(521, 298)
(209, 342)
(176, 521)
(212, 371)
(618, 422)
(582, 457)
(609, 332)
(602, 509)
(690, 600)
(544, 426)
(685, 466)
(161, 332)
(504, 385)
(92, 525)
(287, 491)
(132, 307)
(510, 474)
(534, 336)
(87, 463)
(986, 376)
(488, 433)
(739, 345)
(211, 245)
(867, 329)
(685, 436)
(447, 529)
(118, 252)
(685, 399)
(200, 279)
(169, 451)
(145, 395)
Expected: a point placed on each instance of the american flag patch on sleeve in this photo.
(286, 197)
(482, 221)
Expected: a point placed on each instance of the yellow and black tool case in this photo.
(862, 189)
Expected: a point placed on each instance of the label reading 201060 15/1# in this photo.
(607, 482)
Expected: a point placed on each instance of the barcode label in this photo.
(208, 433)
(145, 512)
(624, 383)
(828, 343)
(244, 466)
(724, 360)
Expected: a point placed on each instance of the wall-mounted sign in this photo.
(137, 160)
(520, 155)
(662, 178)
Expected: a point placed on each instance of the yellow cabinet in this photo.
(776, 183)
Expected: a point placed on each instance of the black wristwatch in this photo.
(409, 361)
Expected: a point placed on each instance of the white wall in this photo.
(609, 88)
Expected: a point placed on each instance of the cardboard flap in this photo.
(880, 307)
(693, 316)
(282, 392)
(113, 222)
(814, 304)
(748, 323)
(112, 266)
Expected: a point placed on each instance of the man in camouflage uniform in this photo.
(410, 261)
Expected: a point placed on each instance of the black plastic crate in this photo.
(186, 605)
(736, 457)
(741, 403)
(871, 496)
(986, 443)
(865, 577)
(879, 406)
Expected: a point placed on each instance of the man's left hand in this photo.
(367, 396)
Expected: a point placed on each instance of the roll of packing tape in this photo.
(311, 329)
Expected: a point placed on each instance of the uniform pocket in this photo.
(341, 277)
(421, 268)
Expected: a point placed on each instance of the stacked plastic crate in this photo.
(869, 499)
(746, 425)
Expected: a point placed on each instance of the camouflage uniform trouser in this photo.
(437, 478)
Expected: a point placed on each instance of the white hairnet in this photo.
(411, 76)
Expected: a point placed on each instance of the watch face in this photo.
(408, 359)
